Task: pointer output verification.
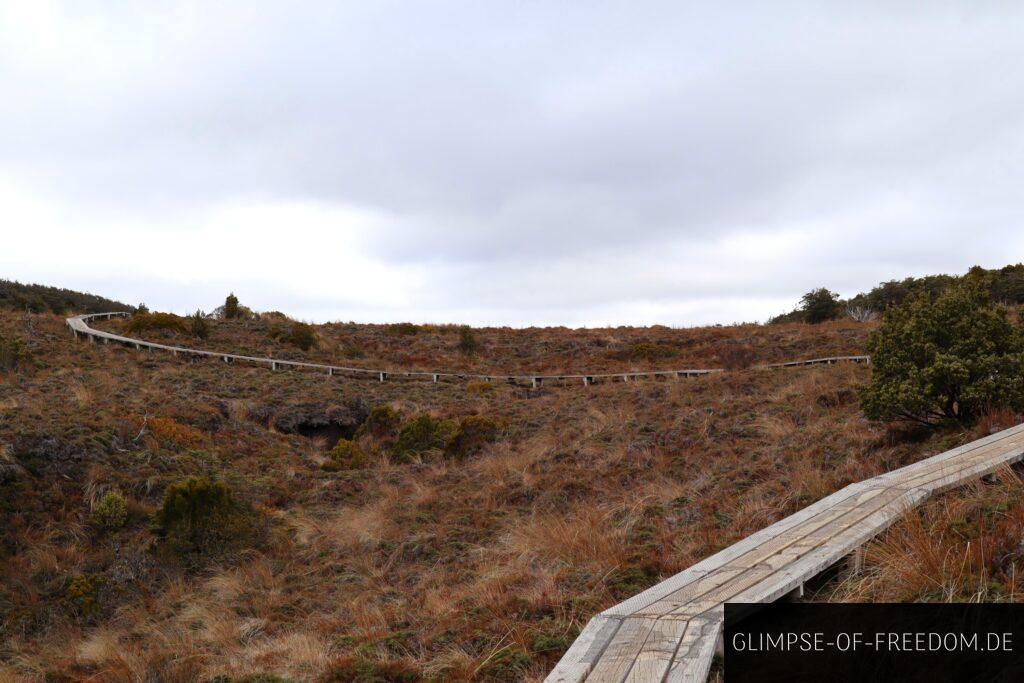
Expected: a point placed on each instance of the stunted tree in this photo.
(231, 309)
(199, 326)
(819, 305)
(944, 358)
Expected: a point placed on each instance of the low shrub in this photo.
(475, 431)
(152, 322)
(81, 593)
(734, 356)
(347, 455)
(199, 325)
(468, 343)
(365, 670)
(297, 334)
(479, 387)
(302, 335)
(421, 434)
(110, 513)
(651, 352)
(403, 329)
(11, 353)
(172, 433)
(382, 422)
(201, 518)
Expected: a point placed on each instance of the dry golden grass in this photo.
(964, 546)
(483, 568)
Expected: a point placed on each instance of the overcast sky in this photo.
(516, 163)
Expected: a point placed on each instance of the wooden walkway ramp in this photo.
(79, 325)
(671, 631)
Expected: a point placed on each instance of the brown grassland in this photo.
(478, 566)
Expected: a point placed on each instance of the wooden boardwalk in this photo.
(79, 325)
(671, 631)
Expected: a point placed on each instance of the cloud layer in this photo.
(507, 163)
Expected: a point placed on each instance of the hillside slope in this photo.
(447, 564)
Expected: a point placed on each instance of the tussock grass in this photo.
(482, 567)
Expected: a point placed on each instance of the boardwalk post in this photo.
(435, 378)
(383, 376)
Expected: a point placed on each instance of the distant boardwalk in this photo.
(670, 631)
(79, 325)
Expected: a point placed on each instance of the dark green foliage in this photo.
(40, 298)
(201, 518)
(346, 455)
(421, 434)
(12, 352)
(819, 305)
(231, 309)
(475, 431)
(468, 343)
(296, 334)
(404, 329)
(199, 325)
(651, 352)
(382, 422)
(947, 358)
(302, 336)
(110, 513)
(151, 322)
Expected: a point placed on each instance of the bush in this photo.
(347, 455)
(382, 422)
(819, 305)
(736, 356)
(299, 334)
(302, 336)
(149, 322)
(475, 431)
(651, 352)
(421, 434)
(404, 329)
(946, 358)
(11, 353)
(201, 517)
(231, 309)
(468, 343)
(199, 325)
(110, 513)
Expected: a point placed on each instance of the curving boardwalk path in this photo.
(79, 325)
(671, 631)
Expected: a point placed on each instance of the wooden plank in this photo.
(775, 561)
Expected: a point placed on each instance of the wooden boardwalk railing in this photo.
(671, 631)
(79, 325)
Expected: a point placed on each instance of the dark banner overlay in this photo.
(867, 642)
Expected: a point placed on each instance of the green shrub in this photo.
(651, 352)
(421, 434)
(302, 336)
(475, 431)
(298, 334)
(81, 593)
(110, 513)
(201, 517)
(231, 309)
(347, 455)
(819, 305)
(468, 343)
(11, 353)
(199, 325)
(150, 322)
(946, 358)
(382, 422)
(404, 329)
